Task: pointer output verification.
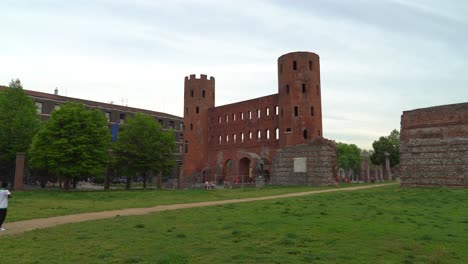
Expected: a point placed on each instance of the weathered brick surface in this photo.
(227, 142)
(321, 164)
(434, 146)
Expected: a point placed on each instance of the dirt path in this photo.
(28, 225)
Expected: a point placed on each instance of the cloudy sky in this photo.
(378, 57)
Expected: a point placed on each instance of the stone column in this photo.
(19, 171)
(381, 174)
(388, 173)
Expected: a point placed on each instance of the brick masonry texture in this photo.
(434, 146)
(321, 164)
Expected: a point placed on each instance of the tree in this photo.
(389, 144)
(18, 124)
(143, 147)
(349, 156)
(73, 144)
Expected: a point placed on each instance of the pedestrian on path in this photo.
(4, 196)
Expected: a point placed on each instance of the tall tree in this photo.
(349, 156)
(389, 144)
(73, 144)
(144, 147)
(18, 123)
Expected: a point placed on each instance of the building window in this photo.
(56, 107)
(233, 117)
(250, 114)
(267, 134)
(38, 107)
(276, 110)
(191, 126)
(171, 124)
(219, 119)
(180, 149)
(277, 133)
(258, 113)
(294, 65)
(234, 138)
(186, 146)
(197, 110)
(310, 65)
(122, 119)
(288, 130)
(312, 111)
(227, 118)
(250, 135)
(227, 138)
(181, 126)
(267, 111)
(181, 138)
(219, 140)
(287, 88)
(303, 88)
(242, 137)
(259, 134)
(203, 93)
(191, 93)
(296, 111)
(108, 116)
(304, 133)
(242, 115)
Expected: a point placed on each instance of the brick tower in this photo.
(299, 98)
(199, 96)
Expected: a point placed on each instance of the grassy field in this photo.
(383, 225)
(39, 204)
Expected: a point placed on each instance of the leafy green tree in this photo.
(143, 147)
(390, 144)
(18, 124)
(349, 156)
(73, 144)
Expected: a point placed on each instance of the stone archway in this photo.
(244, 169)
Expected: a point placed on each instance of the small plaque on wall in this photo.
(300, 164)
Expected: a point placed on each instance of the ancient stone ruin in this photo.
(434, 146)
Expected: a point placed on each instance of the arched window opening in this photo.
(197, 110)
(203, 93)
(304, 133)
(233, 117)
(227, 138)
(242, 137)
(267, 133)
(191, 93)
(287, 88)
(258, 113)
(312, 111)
(250, 135)
(267, 111)
(234, 138)
(191, 126)
(219, 140)
(277, 133)
(259, 134)
(296, 111)
(250, 114)
(276, 110)
(310, 65)
(227, 118)
(186, 146)
(219, 119)
(242, 115)
(294, 65)
(303, 88)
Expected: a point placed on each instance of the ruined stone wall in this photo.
(319, 158)
(434, 146)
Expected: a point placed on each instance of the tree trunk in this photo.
(144, 180)
(159, 181)
(107, 179)
(66, 184)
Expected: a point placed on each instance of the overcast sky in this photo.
(378, 57)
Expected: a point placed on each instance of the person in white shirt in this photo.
(4, 196)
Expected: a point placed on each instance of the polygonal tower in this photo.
(199, 96)
(299, 97)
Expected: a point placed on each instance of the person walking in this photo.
(4, 196)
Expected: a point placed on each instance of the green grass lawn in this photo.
(383, 225)
(39, 204)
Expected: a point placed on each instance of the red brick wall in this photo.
(434, 146)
